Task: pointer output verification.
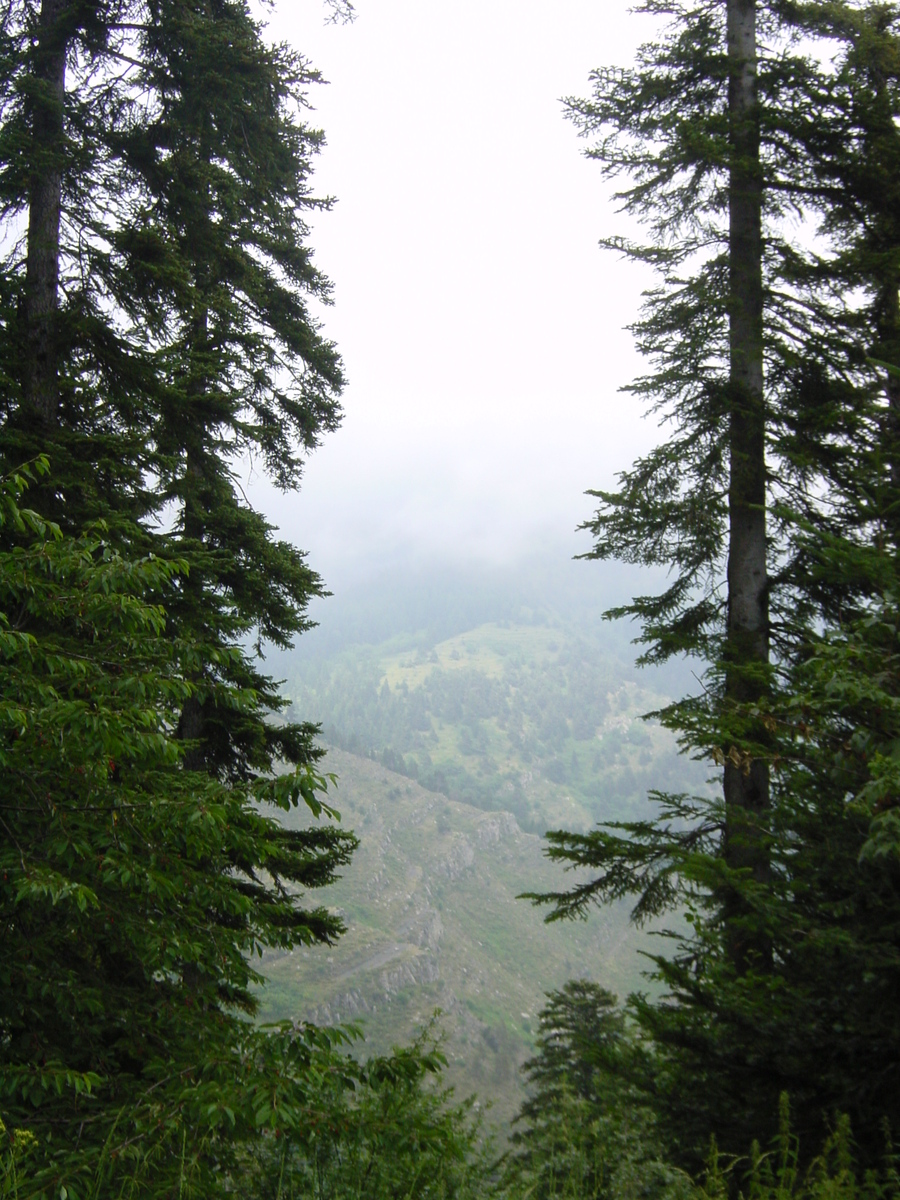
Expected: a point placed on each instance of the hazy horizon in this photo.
(481, 327)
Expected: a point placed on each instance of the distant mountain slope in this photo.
(514, 700)
(433, 922)
(535, 717)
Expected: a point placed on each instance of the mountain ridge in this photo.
(433, 923)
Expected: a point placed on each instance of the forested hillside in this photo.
(538, 719)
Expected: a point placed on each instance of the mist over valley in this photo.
(466, 711)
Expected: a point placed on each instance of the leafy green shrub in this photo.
(383, 1129)
(133, 892)
(777, 1174)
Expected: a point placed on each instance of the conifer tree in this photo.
(216, 238)
(583, 1129)
(71, 383)
(157, 329)
(777, 415)
(688, 128)
(185, 343)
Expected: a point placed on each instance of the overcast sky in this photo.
(480, 325)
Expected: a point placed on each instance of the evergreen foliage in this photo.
(214, 248)
(587, 1131)
(134, 893)
(782, 981)
(170, 288)
(584, 1130)
(156, 330)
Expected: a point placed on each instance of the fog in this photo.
(480, 325)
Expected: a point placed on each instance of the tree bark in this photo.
(746, 784)
(194, 518)
(41, 300)
(889, 345)
(191, 723)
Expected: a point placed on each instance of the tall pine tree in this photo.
(157, 329)
(777, 419)
(216, 237)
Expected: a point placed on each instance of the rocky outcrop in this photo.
(460, 858)
(411, 960)
(496, 827)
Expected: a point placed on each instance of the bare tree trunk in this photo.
(41, 301)
(191, 723)
(194, 523)
(887, 347)
(747, 639)
(889, 338)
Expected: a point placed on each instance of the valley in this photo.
(433, 923)
(453, 755)
(539, 719)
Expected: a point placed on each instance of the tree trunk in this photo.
(889, 345)
(191, 724)
(747, 639)
(194, 519)
(886, 145)
(41, 301)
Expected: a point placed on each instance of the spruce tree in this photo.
(156, 330)
(185, 343)
(216, 237)
(71, 383)
(584, 1129)
(777, 417)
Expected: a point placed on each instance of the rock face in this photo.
(496, 827)
(433, 923)
(398, 965)
(459, 859)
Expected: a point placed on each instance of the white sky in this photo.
(480, 325)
